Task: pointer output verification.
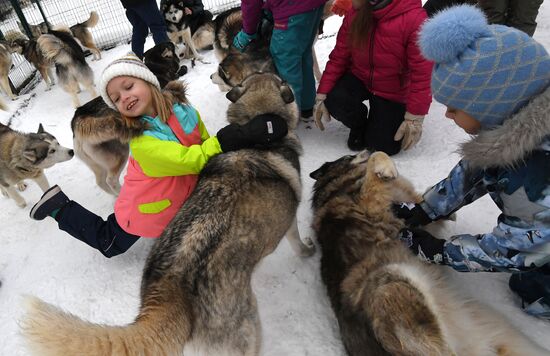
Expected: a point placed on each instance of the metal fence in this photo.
(112, 29)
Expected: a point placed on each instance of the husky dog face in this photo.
(17, 45)
(173, 14)
(337, 177)
(259, 94)
(43, 150)
(236, 67)
(331, 170)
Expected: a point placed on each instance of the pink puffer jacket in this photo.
(390, 64)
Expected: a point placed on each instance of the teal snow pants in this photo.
(291, 52)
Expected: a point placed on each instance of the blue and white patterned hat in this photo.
(488, 71)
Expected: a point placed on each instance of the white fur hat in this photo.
(129, 65)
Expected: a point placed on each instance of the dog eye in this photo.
(52, 150)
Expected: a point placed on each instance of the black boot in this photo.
(51, 201)
(356, 139)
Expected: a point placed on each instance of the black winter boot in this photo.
(51, 201)
(356, 139)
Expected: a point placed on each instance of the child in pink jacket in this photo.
(169, 147)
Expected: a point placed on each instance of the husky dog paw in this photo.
(21, 202)
(21, 186)
(384, 168)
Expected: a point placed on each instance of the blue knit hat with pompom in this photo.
(488, 71)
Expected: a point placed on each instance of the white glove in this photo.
(410, 130)
(320, 111)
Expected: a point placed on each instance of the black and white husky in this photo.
(195, 29)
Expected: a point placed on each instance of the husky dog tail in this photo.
(412, 311)
(162, 328)
(400, 318)
(92, 21)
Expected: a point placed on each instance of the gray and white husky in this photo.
(25, 156)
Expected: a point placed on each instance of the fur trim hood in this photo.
(508, 144)
(178, 91)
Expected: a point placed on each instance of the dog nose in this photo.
(71, 153)
(212, 76)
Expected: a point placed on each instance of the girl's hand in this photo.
(261, 130)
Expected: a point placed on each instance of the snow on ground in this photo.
(38, 259)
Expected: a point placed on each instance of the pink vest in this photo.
(145, 204)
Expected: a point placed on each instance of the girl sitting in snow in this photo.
(495, 82)
(169, 148)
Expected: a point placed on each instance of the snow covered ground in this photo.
(38, 259)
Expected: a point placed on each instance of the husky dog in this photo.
(5, 66)
(36, 30)
(235, 66)
(70, 65)
(80, 31)
(226, 26)
(33, 54)
(387, 301)
(163, 61)
(25, 156)
(196, 287)
(100, 139)
(195, 30)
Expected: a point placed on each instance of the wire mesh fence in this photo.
(112, 29)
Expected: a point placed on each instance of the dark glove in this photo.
(423, 244)
(413, 215)
(262, 129)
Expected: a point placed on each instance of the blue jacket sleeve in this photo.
(460, 188)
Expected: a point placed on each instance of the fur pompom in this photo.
(451, 31)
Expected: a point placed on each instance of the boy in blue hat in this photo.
(495, 82)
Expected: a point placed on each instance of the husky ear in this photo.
(181, 4)
(319, 172)
(40, 129)
(167, 53)
(30, 154)
(286, 93)
(234, 94)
